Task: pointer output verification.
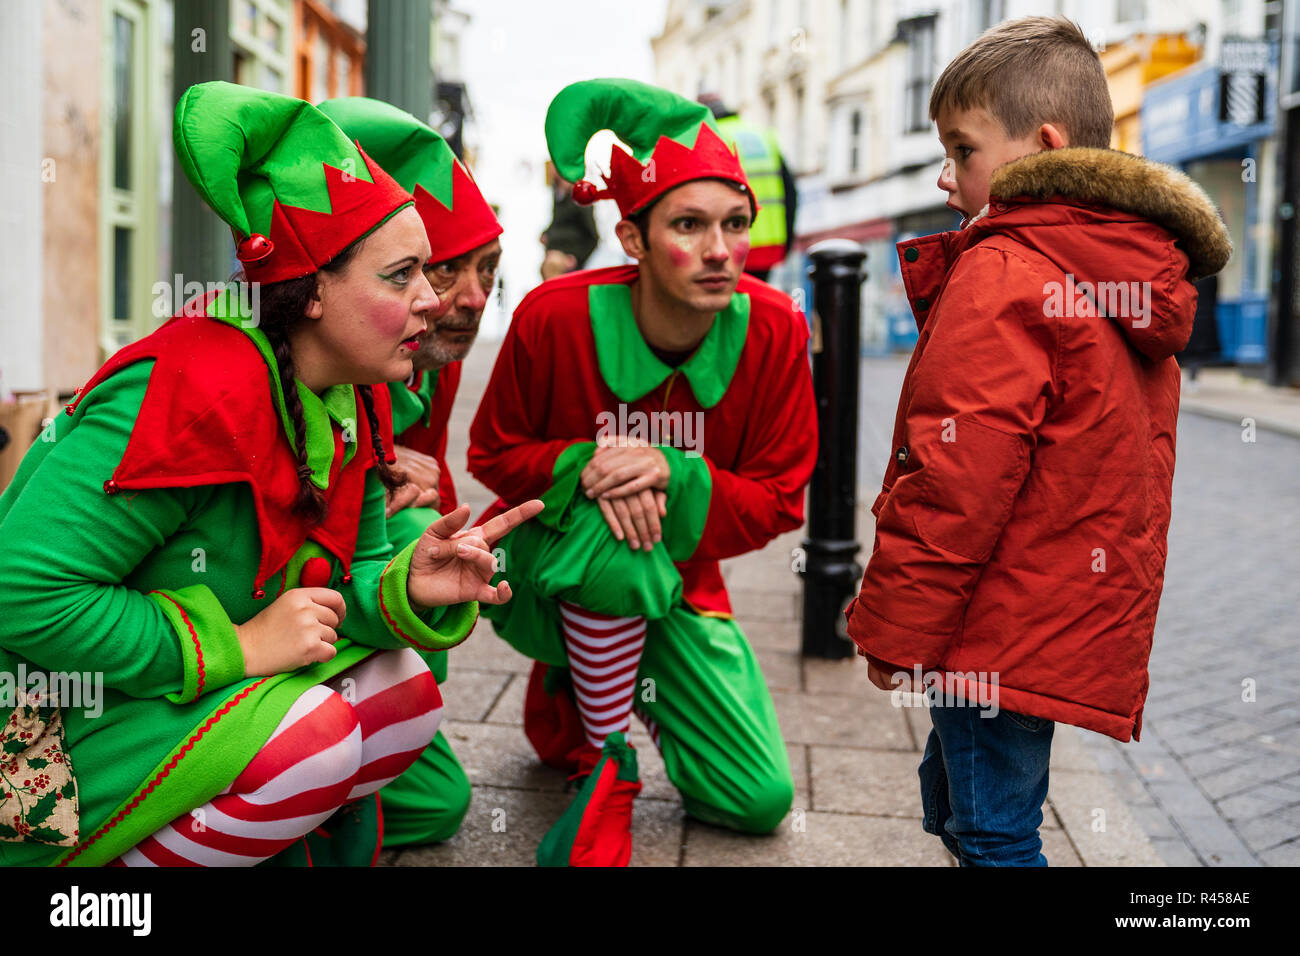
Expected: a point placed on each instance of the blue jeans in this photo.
(983, 783)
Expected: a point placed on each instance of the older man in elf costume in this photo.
(428, 802)
(664, 413)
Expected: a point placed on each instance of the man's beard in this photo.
(435, 352)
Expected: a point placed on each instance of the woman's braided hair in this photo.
(282, 305)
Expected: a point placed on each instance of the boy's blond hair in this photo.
(1028, 72)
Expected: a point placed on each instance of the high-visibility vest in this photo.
(761, 160)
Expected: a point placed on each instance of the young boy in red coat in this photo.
(1020, 533)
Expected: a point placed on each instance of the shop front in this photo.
(1216, 123)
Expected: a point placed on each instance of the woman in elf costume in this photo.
(427, 803)
(205, 529)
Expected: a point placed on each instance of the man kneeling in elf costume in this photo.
(427, 803)
(664, 412)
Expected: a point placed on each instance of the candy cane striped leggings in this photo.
(340, 740)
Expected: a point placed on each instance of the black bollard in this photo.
(831, 572)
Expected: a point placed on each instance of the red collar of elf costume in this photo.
(209, 418)
(673, 141)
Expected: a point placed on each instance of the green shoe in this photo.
(596, 829)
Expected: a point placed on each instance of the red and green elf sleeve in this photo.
(69, 551)
(505, 453)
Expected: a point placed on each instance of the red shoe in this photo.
(596, 829)
(551, 719)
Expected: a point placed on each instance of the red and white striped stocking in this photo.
(393, 732)
(604, 655)
(338, 742)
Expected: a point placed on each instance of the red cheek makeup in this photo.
(680, 257)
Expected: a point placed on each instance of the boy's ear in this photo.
(630, 237)
(1052, 137)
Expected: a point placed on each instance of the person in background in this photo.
(772, 233)
(571, 237)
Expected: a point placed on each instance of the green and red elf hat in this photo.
(673, 140)
(294, 190)
(456, 216)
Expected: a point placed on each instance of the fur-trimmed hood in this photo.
(1102, 221)
(1129, 184)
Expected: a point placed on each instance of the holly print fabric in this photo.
(38, 794)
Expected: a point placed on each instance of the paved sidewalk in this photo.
(1226, 394)
(853, 753)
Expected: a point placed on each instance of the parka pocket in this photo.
(967, 488)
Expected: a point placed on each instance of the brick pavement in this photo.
(1216, 778)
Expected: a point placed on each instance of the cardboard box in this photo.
(23, 419)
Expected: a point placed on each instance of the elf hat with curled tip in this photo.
(293, 188)
(456, 216)
(673, 141)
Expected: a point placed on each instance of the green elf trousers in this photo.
(698, 680)
(427, 803)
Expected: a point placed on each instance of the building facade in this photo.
(88, 139)
(846, 83)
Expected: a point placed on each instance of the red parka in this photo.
(1020, 532)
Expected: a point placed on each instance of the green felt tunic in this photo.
(141, 588)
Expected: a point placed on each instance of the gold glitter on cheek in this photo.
(680, 252)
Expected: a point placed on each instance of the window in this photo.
(855, 141)
(797, 141)
(919, 33)
(330, 55)
(128, 212)
(259, 34)
(988, 13)
(1130, 11)
(844, 35)
(124, 70)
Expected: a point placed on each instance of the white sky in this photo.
(515, 56)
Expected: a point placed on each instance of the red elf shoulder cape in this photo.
(209, 418)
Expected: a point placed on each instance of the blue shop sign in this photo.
(1205, 110)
